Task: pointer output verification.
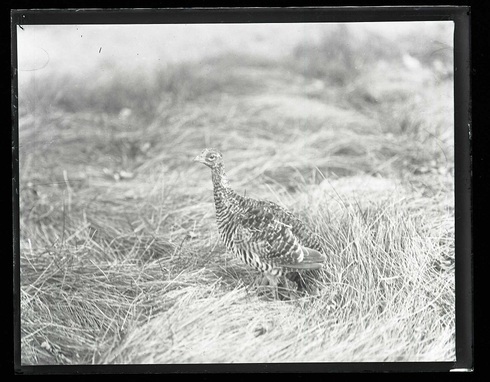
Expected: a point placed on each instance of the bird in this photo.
(261, 233)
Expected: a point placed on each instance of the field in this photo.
(120, 260)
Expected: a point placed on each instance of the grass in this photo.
(120, 257)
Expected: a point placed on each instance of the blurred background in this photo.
(81, 49)
(142, 89)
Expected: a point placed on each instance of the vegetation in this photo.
(120, 260)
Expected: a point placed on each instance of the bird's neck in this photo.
(220, 180)
(221, 184)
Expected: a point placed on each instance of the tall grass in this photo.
(142, 298)
(120, 257)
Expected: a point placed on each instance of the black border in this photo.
(236, 15)
(463, 189)
(464, 265)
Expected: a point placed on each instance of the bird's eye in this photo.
(212, 157)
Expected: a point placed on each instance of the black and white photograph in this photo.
(273, 192)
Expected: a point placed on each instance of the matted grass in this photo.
(120, 256)
(136, 297)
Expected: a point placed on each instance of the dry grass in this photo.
(120, 258)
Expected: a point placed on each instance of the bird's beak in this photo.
(199, 158)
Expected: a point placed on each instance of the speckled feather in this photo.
(260, 233)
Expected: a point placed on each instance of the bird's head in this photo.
(210, 157)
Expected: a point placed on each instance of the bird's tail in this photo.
(312, 259)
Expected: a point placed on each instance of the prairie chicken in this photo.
(261, 233)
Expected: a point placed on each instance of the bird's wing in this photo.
(260, 233)
(251, 232)
(299, 229)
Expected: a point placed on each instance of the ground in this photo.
(120, 260)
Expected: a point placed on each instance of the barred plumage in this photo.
(260, 233)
